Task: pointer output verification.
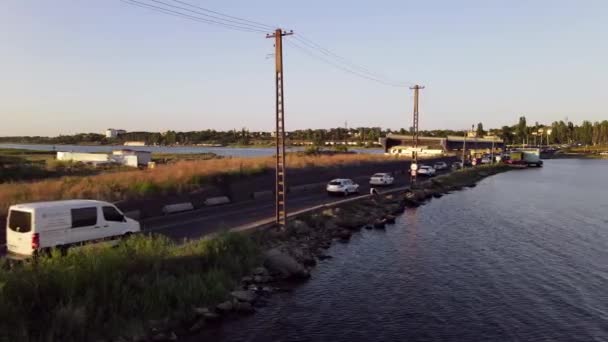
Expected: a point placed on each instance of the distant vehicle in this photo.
(426, 170)
(35, 227)
(342, 186)
(406, 151)
(456, 165)
(486, 160)
(525, 157)
(440, 166)
(381, 179)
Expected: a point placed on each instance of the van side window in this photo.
(84, 217)
(111, 214)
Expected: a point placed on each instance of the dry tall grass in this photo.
(175, 178)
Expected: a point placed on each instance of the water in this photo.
(521, 257)
(222, 151)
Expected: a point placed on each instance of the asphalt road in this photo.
(194, 224)
(197, 223)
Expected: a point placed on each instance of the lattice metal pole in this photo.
(281, 179)
(416, 89)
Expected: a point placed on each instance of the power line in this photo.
(308, 46)
(343, 68)
(239, 23)
(191, 17)
(351, 65)
(268, 27)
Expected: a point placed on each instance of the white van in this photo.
(32, 227)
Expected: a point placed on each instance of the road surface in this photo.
(197, 223)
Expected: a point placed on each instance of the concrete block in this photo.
(134, 214)
(177, 207)
(217, 200)
(262, 194)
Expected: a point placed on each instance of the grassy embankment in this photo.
(178, 177)
(25, 165)
(467, 177)
(97, 293)
(591, 152)
(101, 293)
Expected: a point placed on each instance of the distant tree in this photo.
(585, 133)
(522, 130)
(480, 132)
(506, 134)
(571, 130)
(170, 138)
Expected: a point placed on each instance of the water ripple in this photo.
(521, 257)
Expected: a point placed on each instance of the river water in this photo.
(521, 257)
(222, 151)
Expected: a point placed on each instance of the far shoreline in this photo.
(3, 144)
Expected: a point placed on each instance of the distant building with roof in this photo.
(113, 133)
(446, 144)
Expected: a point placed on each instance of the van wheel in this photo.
(345, 193)
(127, 235)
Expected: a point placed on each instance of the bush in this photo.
(341, 148)
(99, 292)
(312, 150)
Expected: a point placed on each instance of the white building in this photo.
(123, 157)
(131, 157)
(90, 158)
(113, 133)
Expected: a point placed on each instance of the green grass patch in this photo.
(101, 292)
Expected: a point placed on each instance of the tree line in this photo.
(587, 133)
(362, 135)
(558, 132)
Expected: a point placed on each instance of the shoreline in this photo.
(289, 255)
(209, 146)
(251, 265)
(221, 276)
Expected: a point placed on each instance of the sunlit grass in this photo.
(99, 292)
(179, 177)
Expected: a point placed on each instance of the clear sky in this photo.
(72, 66)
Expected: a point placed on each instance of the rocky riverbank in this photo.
(289, 255)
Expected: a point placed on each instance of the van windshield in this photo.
(20, 221)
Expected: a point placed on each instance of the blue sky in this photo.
(72, 66)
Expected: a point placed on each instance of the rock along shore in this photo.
(289, 255)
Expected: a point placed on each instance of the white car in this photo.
(35, 227)
(342, 186)
(486, 160)
(440, 166)
(381, 179)
(426, 170)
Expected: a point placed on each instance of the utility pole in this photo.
(464, 146)
(413, 173)
(492, 162)
(280, 182)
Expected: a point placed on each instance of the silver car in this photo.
(342, 186)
